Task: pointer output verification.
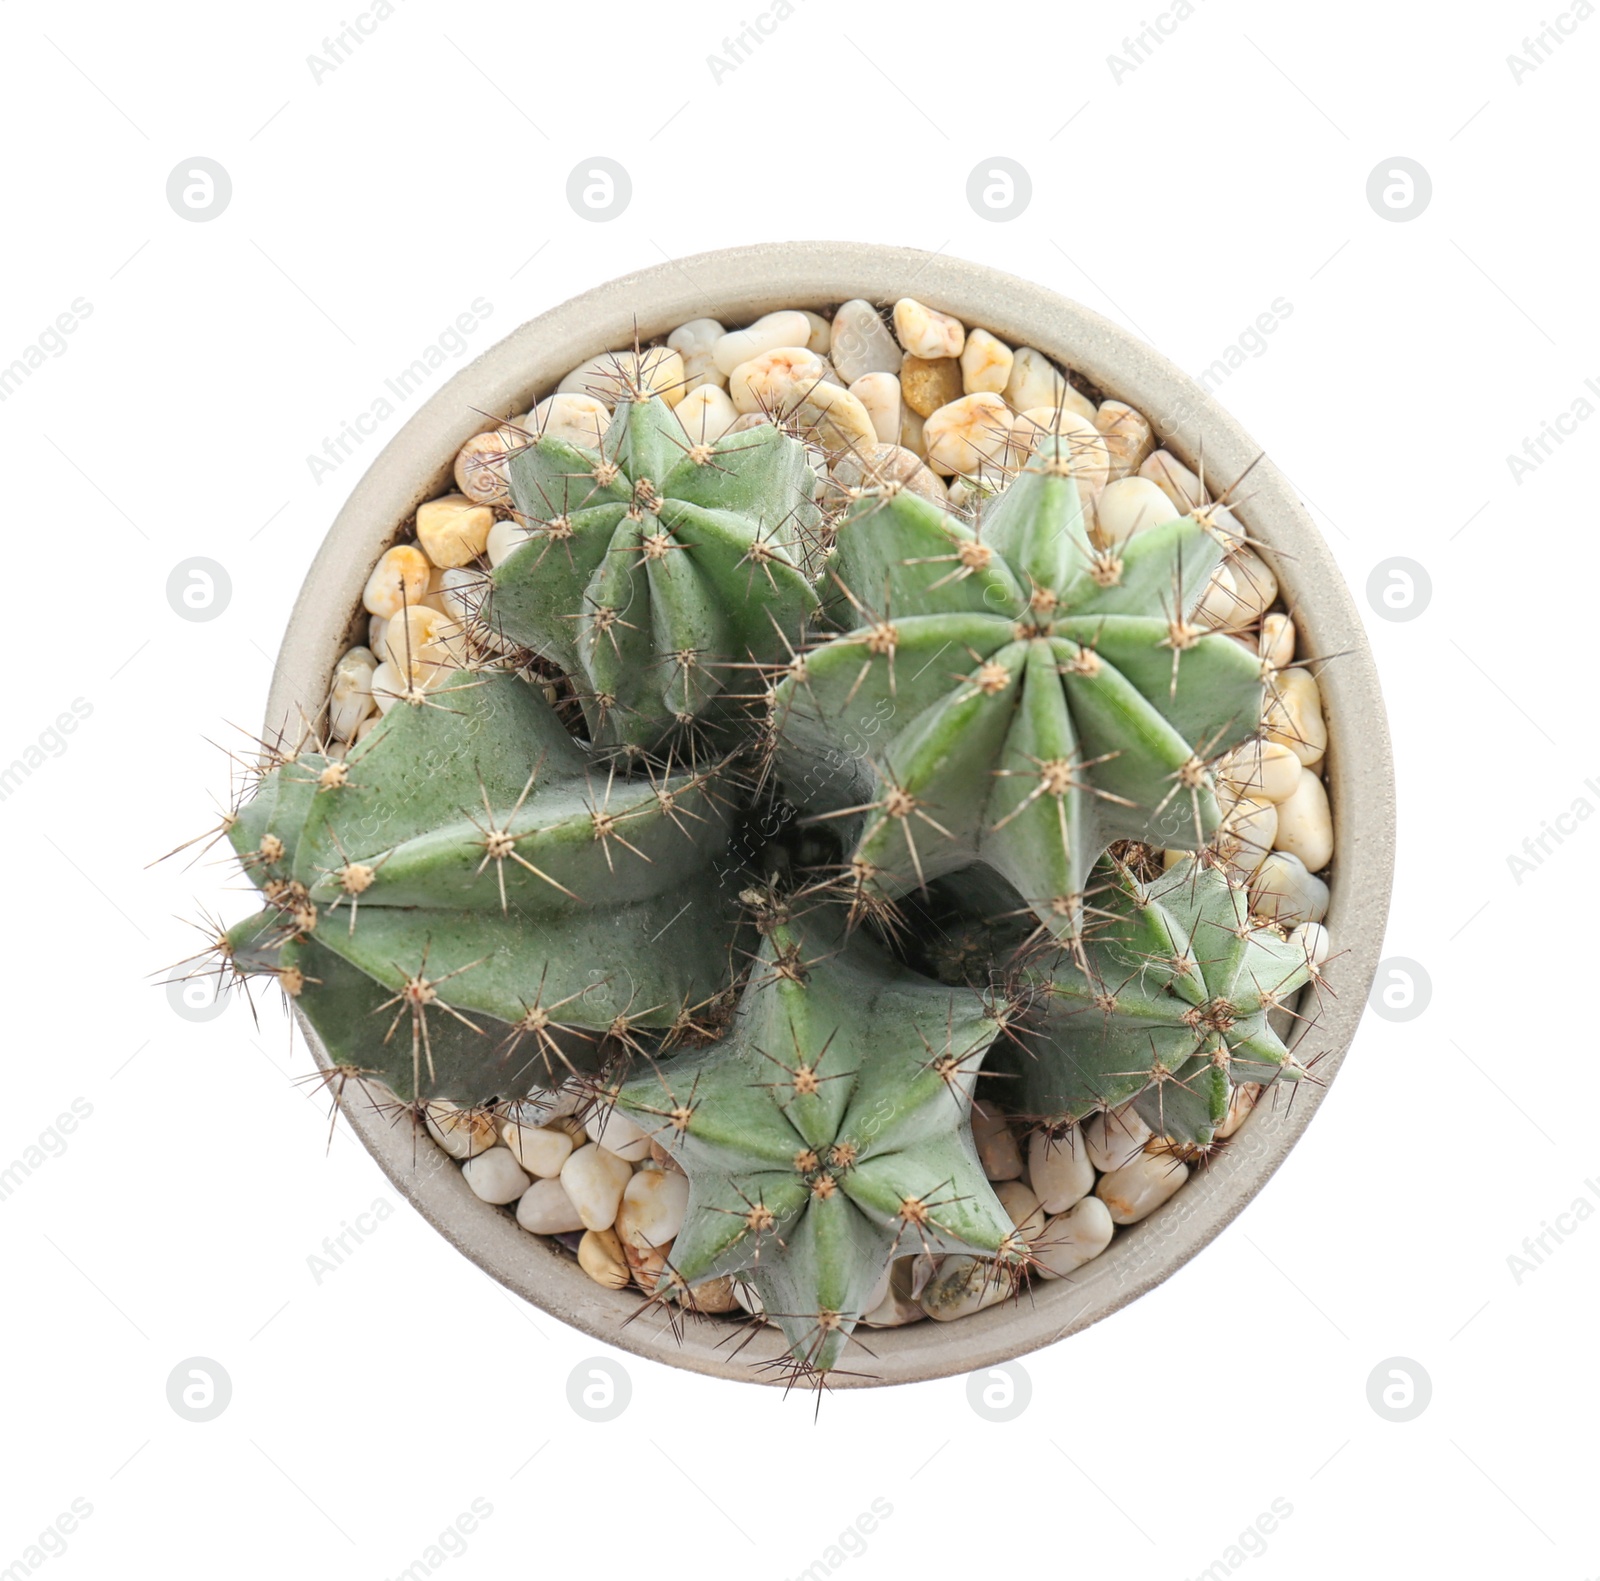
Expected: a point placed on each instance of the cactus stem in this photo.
(415, 998)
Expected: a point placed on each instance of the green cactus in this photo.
(658, 568)
(1170, 1007)
(471, 908)
(1013, 695)
(474, 904)
(829, 1131)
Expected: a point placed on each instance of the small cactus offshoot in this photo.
(829, 1132)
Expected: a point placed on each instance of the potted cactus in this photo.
(769, 802)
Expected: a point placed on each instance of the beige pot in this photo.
(736, 286)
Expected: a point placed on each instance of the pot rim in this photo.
(737, 285)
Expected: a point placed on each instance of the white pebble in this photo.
(830, 416)
(452, 531)
(615, 1131)
(376, 626)
(998, 1152)
(774, 381)
(1022, 1206)
(1293, 715)
(1255, 585)
(1127, 506)
(889, 465)
(1276, 643)
(1305, 823)
(1077, 438)
(696, 342)
(1074, 1238)
(612, 376)
(546, 1209)
(1285, 891)
(577, 418)
(495, 1175)
(861, 343)
(600, 1255)
(398, 580)
(1128, 437)
(1218, 600)
(1140, 1186)
(1245, 837)
(1174, 480)
(1267, 770)
(504, 538)
(1240, 1102)
(879, 393)
(462, 1133)
(1113, 1136)
(707, 413)
(985, 364)
(969, 433)
(388, 686)
(1060, 1169)
(653, 1205)
(821, 336)
(1313, 940)
(541, 1150)
(1036, 382)
(925, 331)
(594, 1178)
(350, 697)
(787, 328)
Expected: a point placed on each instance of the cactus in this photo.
(1170, 1007)
(657, 568)
(441, 904)
(1013, 695)
(829, 1131)
(897, 861)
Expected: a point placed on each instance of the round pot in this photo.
(737, 285)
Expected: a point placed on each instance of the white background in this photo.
(370, 208)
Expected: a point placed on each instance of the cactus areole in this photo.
(784, 817)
